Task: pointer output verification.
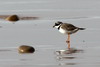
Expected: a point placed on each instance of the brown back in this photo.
(68, 27)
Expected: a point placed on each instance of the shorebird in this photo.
(67, 28)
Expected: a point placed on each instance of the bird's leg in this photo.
(68, 41)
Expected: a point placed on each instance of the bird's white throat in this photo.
(57, 26)
(60, 29)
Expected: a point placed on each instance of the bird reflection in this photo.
(62, 64)
(69, 51)
(64, 57)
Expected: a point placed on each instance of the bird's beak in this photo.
(53, 26)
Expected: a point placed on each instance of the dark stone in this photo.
(26, 49)
(12, 18)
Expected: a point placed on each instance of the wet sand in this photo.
(47, 40)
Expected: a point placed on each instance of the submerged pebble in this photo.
(26, 49)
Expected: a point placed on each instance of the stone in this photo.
(26, 49)
(12, 18)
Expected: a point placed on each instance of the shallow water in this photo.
(46, 40)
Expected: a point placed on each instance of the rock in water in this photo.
(26, 49)
(12, 18)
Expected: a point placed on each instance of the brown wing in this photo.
(68, 27)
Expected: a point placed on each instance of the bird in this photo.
(67, 28)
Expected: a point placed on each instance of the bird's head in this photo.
(57, 24)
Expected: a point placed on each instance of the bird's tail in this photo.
(82, 28)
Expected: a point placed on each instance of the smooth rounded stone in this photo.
(26, 49)
(12, 18)
(69, 51)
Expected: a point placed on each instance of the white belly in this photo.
(62, 31)
(66, 32)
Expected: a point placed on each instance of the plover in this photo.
(67, 28)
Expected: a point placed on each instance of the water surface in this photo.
(46, 40)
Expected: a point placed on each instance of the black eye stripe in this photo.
(56, 24)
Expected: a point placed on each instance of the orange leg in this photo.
(68, 41)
